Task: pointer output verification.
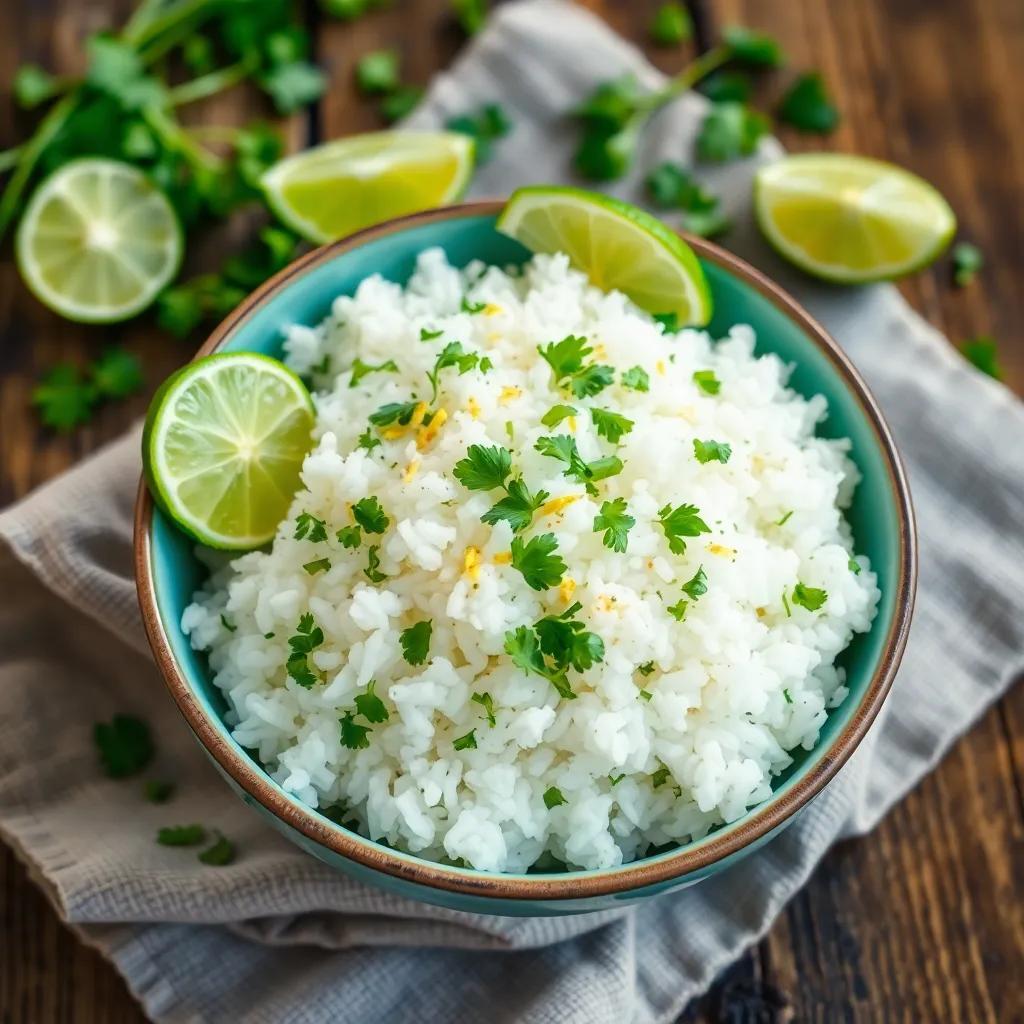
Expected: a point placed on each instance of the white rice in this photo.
(744, 679)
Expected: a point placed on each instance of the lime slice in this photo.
(331, 190)
(98, 241)
(850, 219)
(223, 446)
(617, 245)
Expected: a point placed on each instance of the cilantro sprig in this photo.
(538, 562)
(616, 523)
(567, 359)
(485, 127)
(564, 448)
(308, 637)
(487, 469)
(679, 523)
(125, 745)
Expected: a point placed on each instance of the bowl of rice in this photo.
(572, 607)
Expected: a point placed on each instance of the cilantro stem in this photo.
(174, 137)
(693, 73)
(143, 16)
(9, 158)
(31, 151)
(209, 85)
(155, 37)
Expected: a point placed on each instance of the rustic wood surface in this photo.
(924, 920)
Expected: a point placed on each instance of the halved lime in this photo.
(850, 219)
(331, 190)
(98, 241)
(617, 245)
(223, 446)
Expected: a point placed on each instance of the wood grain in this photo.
(924, 920)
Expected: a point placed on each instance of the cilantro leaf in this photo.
(125, 745)
(730, 130)
(369, 515)
(361, 369)
(116, 374)
(707, 451)
(636, 378)
(485, 127)
(983, 354)
(394, 412)
(116, 69)
(487, 703)
(470, 14)
(34, 85)
(426, 335)
(308, 527)
(415, 641)
(293, 85)
(787, 696)
(537, 561)
(810, 598)
(553, 798)
(616, 779)
(616, 523)
(707, 382)
(471, 307)
(467, 742)
(967, 261)
(567, 642)
(672, 187)
(807, 106)
(517, 507)
(377, 72)
(308, 637)
(221, 853)
(483, 469)
(317, 565)
(679, 522)
(350, 536)
(646, 669)
(660, 777)
(556, 414)
(750, 47)
(372, 570)
(353, 736)
(565, 357)
(610, 425)
(453, 354)
(854, 567)
(591, 380)
(671, 24)
(726, 85)
(157, 791)
(370, 706)
(181, 835)
(400, 103)
(63, 398)
(367, 441)
(697, 586)
(678, 610)
(523, 647)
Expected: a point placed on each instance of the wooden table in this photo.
(924, 920)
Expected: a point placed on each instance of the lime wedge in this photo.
(223, 446)
(617, 245)
(850, 219)
(98, 241)
(331, 190)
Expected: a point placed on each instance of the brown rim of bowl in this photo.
(761, 822)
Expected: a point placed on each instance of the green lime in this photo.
(850, 219)
(331, 190)
(223, 447)
(98, 241)
(617, 245)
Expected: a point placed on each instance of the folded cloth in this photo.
(277, 936)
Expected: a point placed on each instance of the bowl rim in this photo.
(578, 884)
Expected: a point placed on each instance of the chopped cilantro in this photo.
(125, 745)
(560, 638)
(982, 353)
(221, 853)
(591, 380)
(807, 105)
(394, 412)
(708, 451)
(485, 127)
(610, 425)
(510, 429)
(486, 702)
(660, 777)
(553, 797)
(563, 447)
(967, 261)
(671, 186)
(426, 335)
(467, 742)
(377, 72)
(785, 604)
(486, 365)
(370, 706)
(517, 507)
(671, 24)
(471, 307)
(227, 623)
(372, 570)
(361, 369)
(566, 359)
(483, 469)
(181, 835)
(680, 522)
(453, 354)
(616, 523)
(854, 567)
(400, 102)
(784, 519)
(678, 610)
(787, 695)
(616, 779)
(353, 736)
(537, 561)
(810, 598)
(415, 641)
(309, 636)
(726, 85)
(157, 791)
(707, 382)
(730, 130)
(268, 636)
(317, 565)
(646, 669)
(308, 527)
(367, 441)
(646, 695)
(350, 536)
(698, 586)
(556, 414)
(635, 378)
(369, 515)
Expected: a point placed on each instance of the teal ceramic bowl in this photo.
(168, 572)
